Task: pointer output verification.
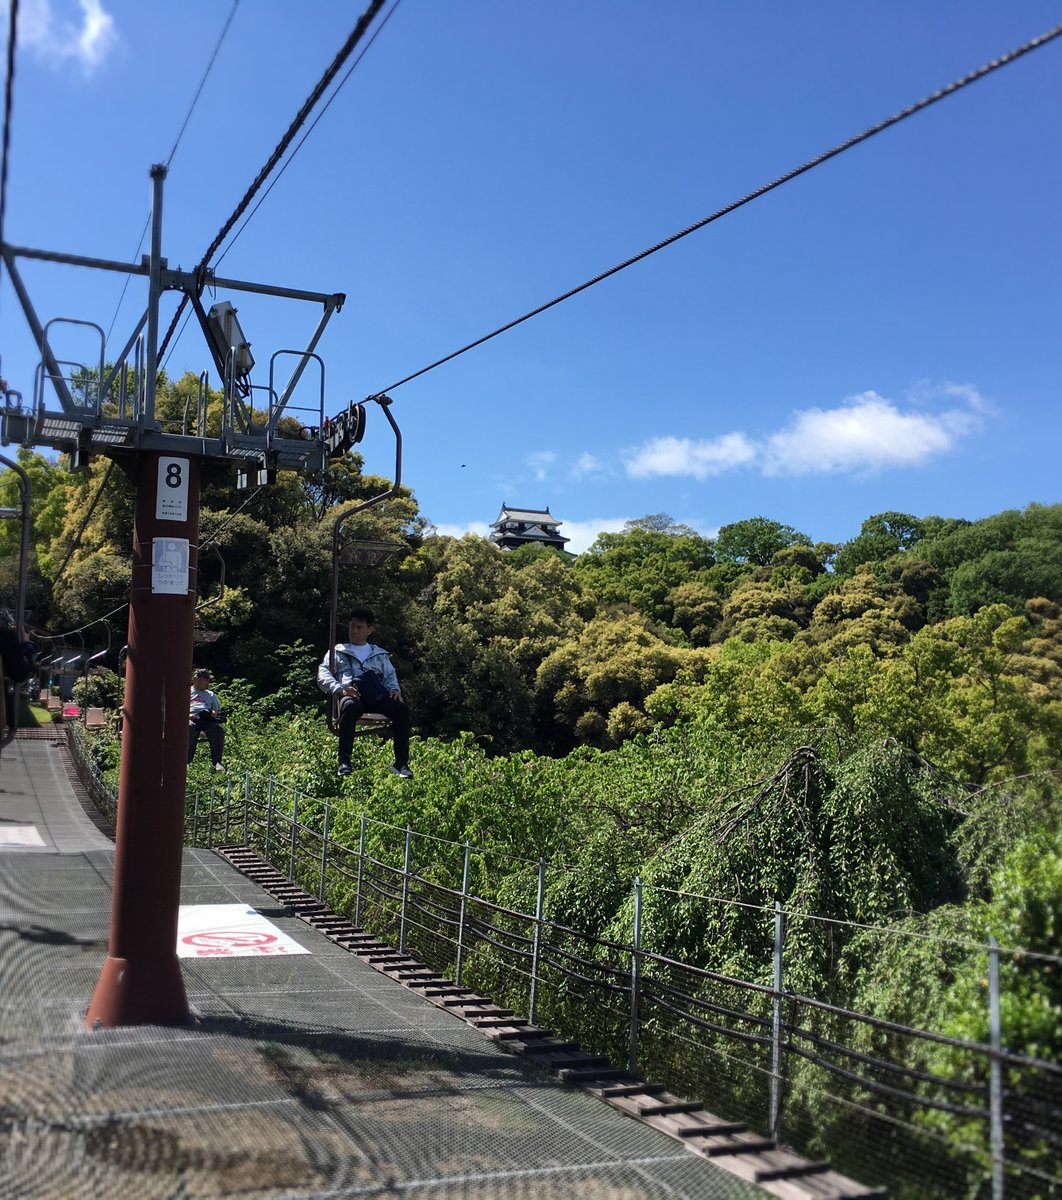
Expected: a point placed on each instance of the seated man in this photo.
(204, 716)
(364, 680)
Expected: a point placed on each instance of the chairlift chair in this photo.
(362, 554)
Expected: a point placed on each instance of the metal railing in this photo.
(926, 1113)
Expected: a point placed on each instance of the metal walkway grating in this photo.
(308, 1076)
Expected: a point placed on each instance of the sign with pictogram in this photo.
(229, 931)
(169, 566)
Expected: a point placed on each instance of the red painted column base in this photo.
(142, 991)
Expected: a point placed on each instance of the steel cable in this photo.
(818, 160)
(313, 125)
(344, 53)
(176, 143)
(9, 102)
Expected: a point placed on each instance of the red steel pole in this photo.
(141, 982)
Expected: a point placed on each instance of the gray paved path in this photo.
(35, 792)
(306, 1076)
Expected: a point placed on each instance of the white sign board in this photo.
(20, 835)
(229, 931)
(171, 496)
(169, 566)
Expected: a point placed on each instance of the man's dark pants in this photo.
(211, 729)
(350, 708)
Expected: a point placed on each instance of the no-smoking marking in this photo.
(229, 931)
(229, 937)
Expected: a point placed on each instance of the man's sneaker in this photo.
(402, 772)
(219, 767)
(345, 768)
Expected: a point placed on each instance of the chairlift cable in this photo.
(173, 151)
(56, 637)
(1002, 61)
(84, 524)
(187, 318)
(204, 542)
(281, 148)
(9, 101)
(324, 108)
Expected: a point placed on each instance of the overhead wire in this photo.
(84, 524)
(173, 151)
(941, 94)
(313, 124)
(176, 143)
(323, 83)
(9, 103)
(211, 538)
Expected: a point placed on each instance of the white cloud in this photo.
(926, 391)
(85, 37)
(581, 533)
(587, 466)
(865, 434)
(446, 530)
(540, 462)
(684, 456)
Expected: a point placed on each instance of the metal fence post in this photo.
(246, 803)
(776, 1026)
(995, 1083)
(294, 834)
(537, 939)
(195, 819)
(636, 966)
(324, 851)
(405, 893)
(269, 814)
(228, 808)
(461, 914)
(361, 874)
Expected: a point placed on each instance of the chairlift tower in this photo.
(140, 982)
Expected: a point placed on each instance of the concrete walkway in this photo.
(301, 1075)
(36, 794)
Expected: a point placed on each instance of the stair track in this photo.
(729, 1144)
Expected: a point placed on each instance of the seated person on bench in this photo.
(204, 717)
(364, 680)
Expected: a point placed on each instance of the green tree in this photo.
(614, 664)
(640, 567)
(756, 540)
(696, 610)
(880, 537)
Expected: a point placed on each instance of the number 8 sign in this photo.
(171, 503)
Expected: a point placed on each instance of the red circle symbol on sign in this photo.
(229, 938)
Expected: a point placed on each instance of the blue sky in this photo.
(882, 333)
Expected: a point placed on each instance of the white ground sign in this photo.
(229, 931)
(20, 835)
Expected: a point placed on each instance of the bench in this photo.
(95, 718)
(371, 722)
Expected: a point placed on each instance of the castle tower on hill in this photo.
(526, 526)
